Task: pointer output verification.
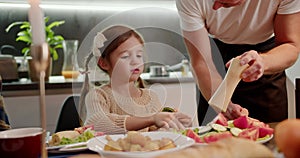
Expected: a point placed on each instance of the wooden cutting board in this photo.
(222, 96)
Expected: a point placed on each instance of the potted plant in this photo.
(24, 35)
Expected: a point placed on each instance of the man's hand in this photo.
(256, 66)
(234, 111)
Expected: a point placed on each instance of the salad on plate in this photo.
(242, 127)
(72, 139)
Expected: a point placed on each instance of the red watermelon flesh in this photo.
(190, 133)
(217, 136)
(250, 133)
(264, 131)
(222, 120)
(241, 122)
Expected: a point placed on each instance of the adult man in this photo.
(263, 33)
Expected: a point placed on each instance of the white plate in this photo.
(265, 140)
(97, 144)
(75, 147)
(258, 141)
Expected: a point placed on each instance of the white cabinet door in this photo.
(25, 111)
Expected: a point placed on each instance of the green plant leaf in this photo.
(15, 24)
(55, 24)
(58, 46)
(25, 39)
(54, 54)
(24, 35)
(26, 51)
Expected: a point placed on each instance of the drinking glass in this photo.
(70, 69)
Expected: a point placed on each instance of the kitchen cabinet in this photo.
(24, 111)
(22, 101)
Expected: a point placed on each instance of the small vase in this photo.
(34, 75)
(38, 63)
(70, 69)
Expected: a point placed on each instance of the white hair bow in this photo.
(98, 43)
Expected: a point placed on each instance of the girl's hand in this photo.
(167, 120)
(256, 66)
(184, 119)
(234, 111)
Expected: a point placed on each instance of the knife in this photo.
(222, 96)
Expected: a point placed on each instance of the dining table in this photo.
(271, 144)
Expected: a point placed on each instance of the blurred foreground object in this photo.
(287, 137)
(225, 148)
(4, 124)
(21, 142)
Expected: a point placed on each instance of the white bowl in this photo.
(97, 144)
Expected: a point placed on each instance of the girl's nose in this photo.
(135, 60)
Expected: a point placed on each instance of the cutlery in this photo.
(222, 96)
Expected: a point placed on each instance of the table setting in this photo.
(95, 147)
(220, 138)
(99, 146)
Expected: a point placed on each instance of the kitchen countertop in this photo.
(58, 85)
(174, 77)
(24, 87)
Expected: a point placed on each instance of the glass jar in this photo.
(70, 69)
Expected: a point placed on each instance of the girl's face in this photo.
(126, 62)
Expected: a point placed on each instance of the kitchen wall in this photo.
(157, 22)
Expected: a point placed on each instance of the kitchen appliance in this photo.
(163, 70)
(8, 65)
(158, 71)
(8, 68)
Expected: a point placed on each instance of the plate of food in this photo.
(71, 140)
(139, 144)
(265, 139)
(242, 127)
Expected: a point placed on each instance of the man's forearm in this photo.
(279, 58)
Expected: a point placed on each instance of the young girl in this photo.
(122, 105)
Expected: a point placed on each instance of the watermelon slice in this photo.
(250, 133)
(216, 136)
(264, 131)
(190, 133)
(221, 120)
(255, 123)
(241, 122)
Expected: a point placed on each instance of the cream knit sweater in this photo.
(107, 110)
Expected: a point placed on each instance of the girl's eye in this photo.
(139, 56)
(124, 56)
